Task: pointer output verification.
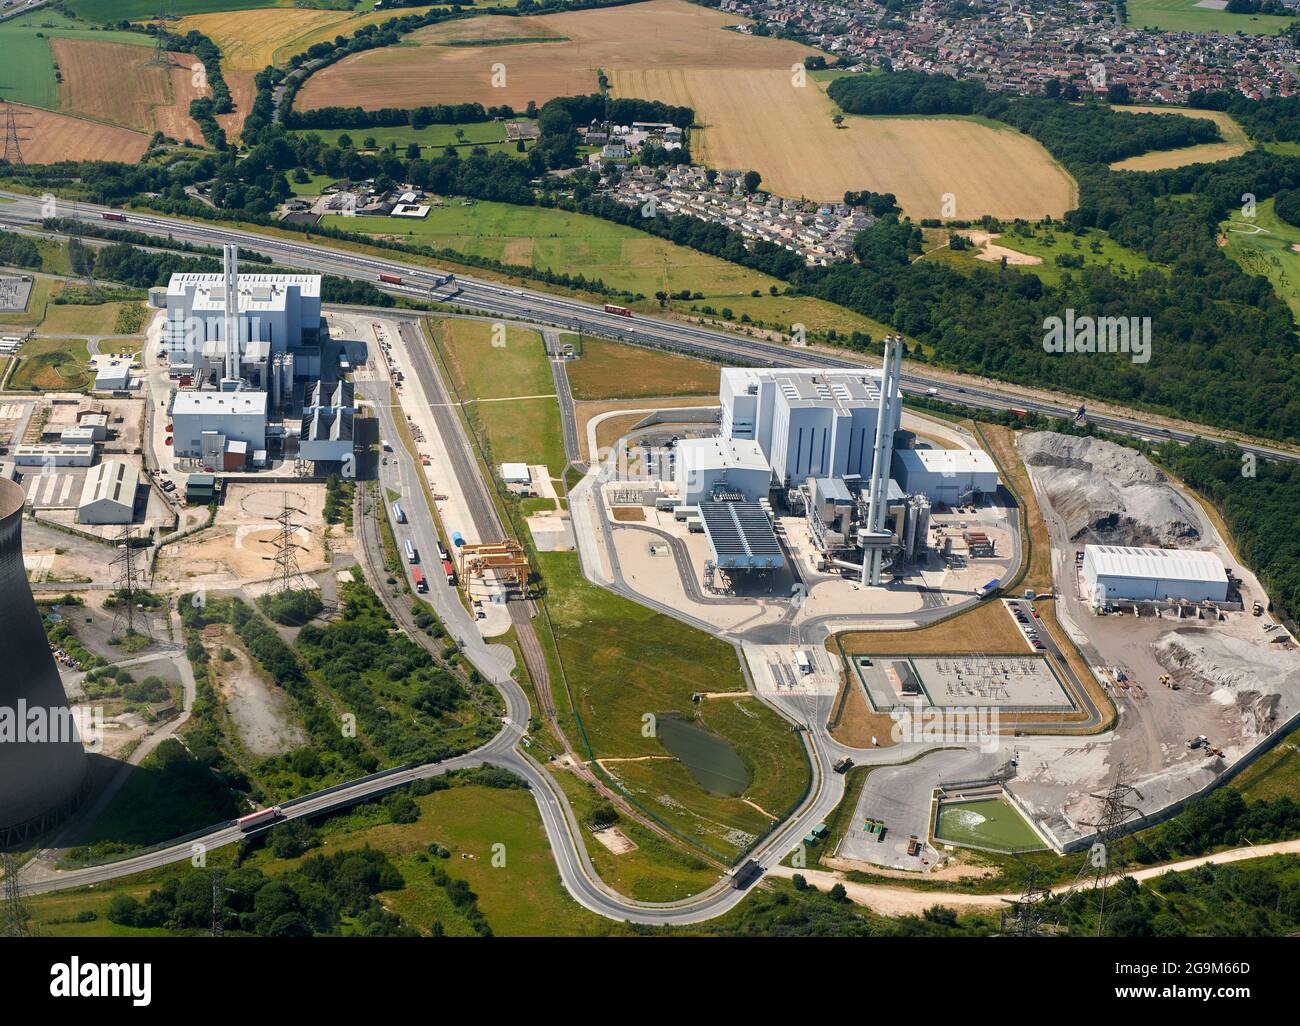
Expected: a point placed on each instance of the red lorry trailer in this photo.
(622, 311)
(391, 279)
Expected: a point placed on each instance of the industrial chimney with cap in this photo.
(43, 766)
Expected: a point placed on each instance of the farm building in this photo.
(1113, 572)
(108, 495)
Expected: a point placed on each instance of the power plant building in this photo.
(807, 423)
(949, 476)
(1119, 572)
(327, 422)
(711, 466)
(43, 766)
(224, 416)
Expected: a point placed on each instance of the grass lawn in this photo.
(990, 823)
(1185, 16)
(518, 430)
(28, 74)
(432, 138)
(621, 257)
(53, 365)
(1265, 245)
(1276, 774)
(624, 661)
(608, 370)
(74, 318)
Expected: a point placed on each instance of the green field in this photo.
(611, 371)
(132, 10)
(27, 72)
(1048, 242)
(1265, 245)
(1185, 16)
(53, 365)
(433, 139)
(991, 823)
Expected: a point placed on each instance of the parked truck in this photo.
(746, 874)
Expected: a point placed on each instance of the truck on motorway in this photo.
(450, 571)
(412, 556)
(112, 215)
(399, 514)
(260, 818)
(442, 552)
(421, 585)
(383, 444)
(622, 311)
(745, 874)
(391, 279)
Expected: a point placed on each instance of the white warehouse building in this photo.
(945, 475)
(234, 416)
(706, 466)
(807, 423)
(108, 494)
(1117, 572)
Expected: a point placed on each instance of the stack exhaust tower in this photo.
(230, 267)
(875, 539)
(43, 767)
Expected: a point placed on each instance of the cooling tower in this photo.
(42, 768)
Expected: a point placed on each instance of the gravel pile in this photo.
(1108, 494)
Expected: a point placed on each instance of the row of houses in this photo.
(1016, 47)
(820, 233)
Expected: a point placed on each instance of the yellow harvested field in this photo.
(1235, 142)
(243, 91)
(800, 152)
(114, 82)
(49, 137)
(250, 40)
(661, 34)
(743, 90)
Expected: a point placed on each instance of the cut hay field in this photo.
(751, 112)
(48, 137)
(660, 33)
(252, 39)
(1235, 142)
(27, 73)
(114, 82)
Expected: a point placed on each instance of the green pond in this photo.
(713, 763)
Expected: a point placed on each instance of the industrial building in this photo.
(205, 422)
(807, 423)
(54, 455)
(1116, 572)
(264, 315)
(947, 476)
(721, 466)
(113, 376)
(108, 494)
(740, 536)
(327, 422)
(42, 779)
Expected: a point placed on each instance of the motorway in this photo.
(420, 283)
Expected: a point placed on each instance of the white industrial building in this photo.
(949, 476)
(1117, 572)
(54, 455)
(807, 423)
(113, 375)
(267, 316)
(229, 416)
(108, 494)
(710, 466)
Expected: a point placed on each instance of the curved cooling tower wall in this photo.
(39, 779)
